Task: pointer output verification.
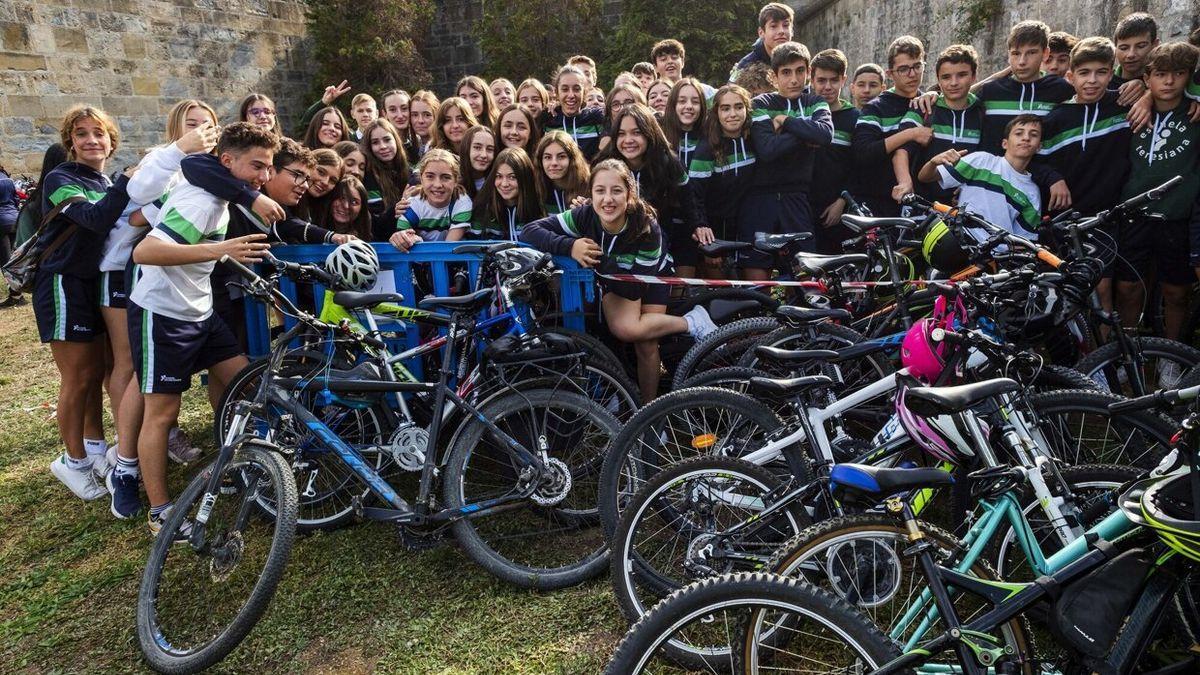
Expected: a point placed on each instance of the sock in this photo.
(78, 464)
(95, 448)
(126, 467)
(156, 511)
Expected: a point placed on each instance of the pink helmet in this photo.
(919, 353)
(945, 437)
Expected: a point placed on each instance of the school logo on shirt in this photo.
(1170, 140)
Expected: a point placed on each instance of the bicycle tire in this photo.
(469, 445)
(747, 421)
(1053, 377)
(593, 346)
(154, 644)
(722, 347)
(1147, 433)
(1104, 364)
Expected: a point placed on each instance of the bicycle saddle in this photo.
(947, 400)
(814, 262)
(356, 300)
(877, 480)
(468, 304)
(773, 243)
(720, 310)
(721, 246)
(860, 224)
(805, 315)
(793, 355)
(785, 386)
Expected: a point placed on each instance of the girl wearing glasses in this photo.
(259, 110)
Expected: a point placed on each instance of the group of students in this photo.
(631, 180)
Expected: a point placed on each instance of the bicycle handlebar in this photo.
(1162, 397)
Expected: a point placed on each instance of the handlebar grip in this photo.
(1147, 402)
(851, 203)
(1049, 258)
(242, 271)
(943, 209)
(943, 335)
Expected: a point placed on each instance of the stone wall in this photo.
(136, 58)
(863, 28)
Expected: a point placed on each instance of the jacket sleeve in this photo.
(308, 114)
(699, 179)
(769, 145)
(298, 231)
(867, 141)
(547, 235)
(817, 129)
(205, 172)
(689, 212)
(97, 217)
(651, 254)
(154, 174)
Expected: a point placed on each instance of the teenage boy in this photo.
(877, 134)
(955, 119)
(836, 160)
(644, 72)
(364, 111)
(1135, 37)
(774, 28)
(587, 65)
(866, 84)
(668, 57)
(1025, 90)
(175, 333)
(1169, 146)
(784, 128)
(997, 187)
(1061, 44)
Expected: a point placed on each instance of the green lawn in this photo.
(350, 601)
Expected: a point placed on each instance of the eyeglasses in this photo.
(260, 112)
(905, 71)
(298, 177)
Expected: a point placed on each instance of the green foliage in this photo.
(532, 38)
(715, 33)
(375, 44)
(973, 16)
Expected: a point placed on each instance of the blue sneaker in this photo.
(126, 497)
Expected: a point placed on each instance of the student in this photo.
(531, 95)
(9, 211)
(997, 187)
(637, 140)
(517, 128)
(774, 28)
(325, 174)
(877, 135)
(171, 308)
(259, 110)
(326, 129)
(364, 111)
(475, 156)
(627, 78)
(594, 98)
(644, 72)
(657, 96)
(620, 96)
(616, 233)
(454, 117)
(478, 96)
(866, 84)
(785, 128)
(722, 169)
(562, 170)
(422, 113)
(756, 79)
(66, 290)
(346, 210)
(836, 160)
(667, 57)
(582, 124)
(1168, 147)
(386, 175)
(354, 162)
(503, 93)
(396, 104)
(1135, 36)
(331, 94)
(509, 199)
(438, 209)
(1025, 89)
(684, 117)
(1059, 60)
(956, 119)
(587, 66)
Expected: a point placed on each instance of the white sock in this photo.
(126, 467)
(95, 448)
(78, 464)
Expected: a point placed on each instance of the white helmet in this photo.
(355, 263)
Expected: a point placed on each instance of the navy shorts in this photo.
(649, 294)
(112, 289)
(684, 250)
(772, 213)
(1159, 248)
(167, 351)
(67, 308)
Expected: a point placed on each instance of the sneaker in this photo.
(156, 523)
(82, 483)
(15, 300)
(103, 464)
(699, 322)
(179, 449)
(126, 497)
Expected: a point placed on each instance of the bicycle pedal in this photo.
(416, 541)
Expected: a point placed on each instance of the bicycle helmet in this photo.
(355, 263)
(944, 437)
(1165, 505)
(919, 353)
(943, 249)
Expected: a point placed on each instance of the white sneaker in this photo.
(699, 322)
(82, 483)
(179, 449)
(101, 464)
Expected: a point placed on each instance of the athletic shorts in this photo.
(1155, 248)
(772, 213)
(67, 308)
(167, 351)
(649, 294)
(684, 250)
(112, 289)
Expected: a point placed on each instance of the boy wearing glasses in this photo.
(877, 135)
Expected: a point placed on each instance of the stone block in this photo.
(15, 61)
(18, 125)
(134, 46)
(71, 40)
(146, 86)
(20, 105)
(15, 37)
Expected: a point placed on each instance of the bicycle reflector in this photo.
(704, 441)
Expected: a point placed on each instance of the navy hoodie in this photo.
(620, 253)
(835, 163)
(1004, 98)
(879, 120)
(758, 54)
(785, 159)
(79, 255)
(1088, 145)
(718, 185)
(585, 127)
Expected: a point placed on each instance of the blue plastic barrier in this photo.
(576, 284)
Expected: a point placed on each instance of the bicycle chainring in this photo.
(407, 446)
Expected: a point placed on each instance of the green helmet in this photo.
(943, 250)
(1165, 505)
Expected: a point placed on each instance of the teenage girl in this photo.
(620, 96)
(346, 210)
(657, 95)
(475, 155)
(503, 93)
(259, 110)
(517, 128)
(422, 111)
(453, 118)
(354, 162)
(386, 173)
(532, 96)
(327, 127)
(436, 210)
(395, 106)
(583, 124)
(509, 199)
(684, 119)
(562, 169)
(476, 93)
(321, 180)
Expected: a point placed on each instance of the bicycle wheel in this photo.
(552, 539)
(593, 346)
(824, 633)
(861, 559)
(1053, 377)
(722, 347)
(197, 603)
(1078, 429)
(682, 424)
(1164, 363)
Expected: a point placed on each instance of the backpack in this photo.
(21, 266)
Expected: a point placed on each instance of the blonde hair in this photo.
(177, 118)
(537, 86)
(442, 155)
(80, 112)
(361, 98)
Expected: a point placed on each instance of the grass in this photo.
(351, 601)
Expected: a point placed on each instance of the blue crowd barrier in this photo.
(577, 284)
